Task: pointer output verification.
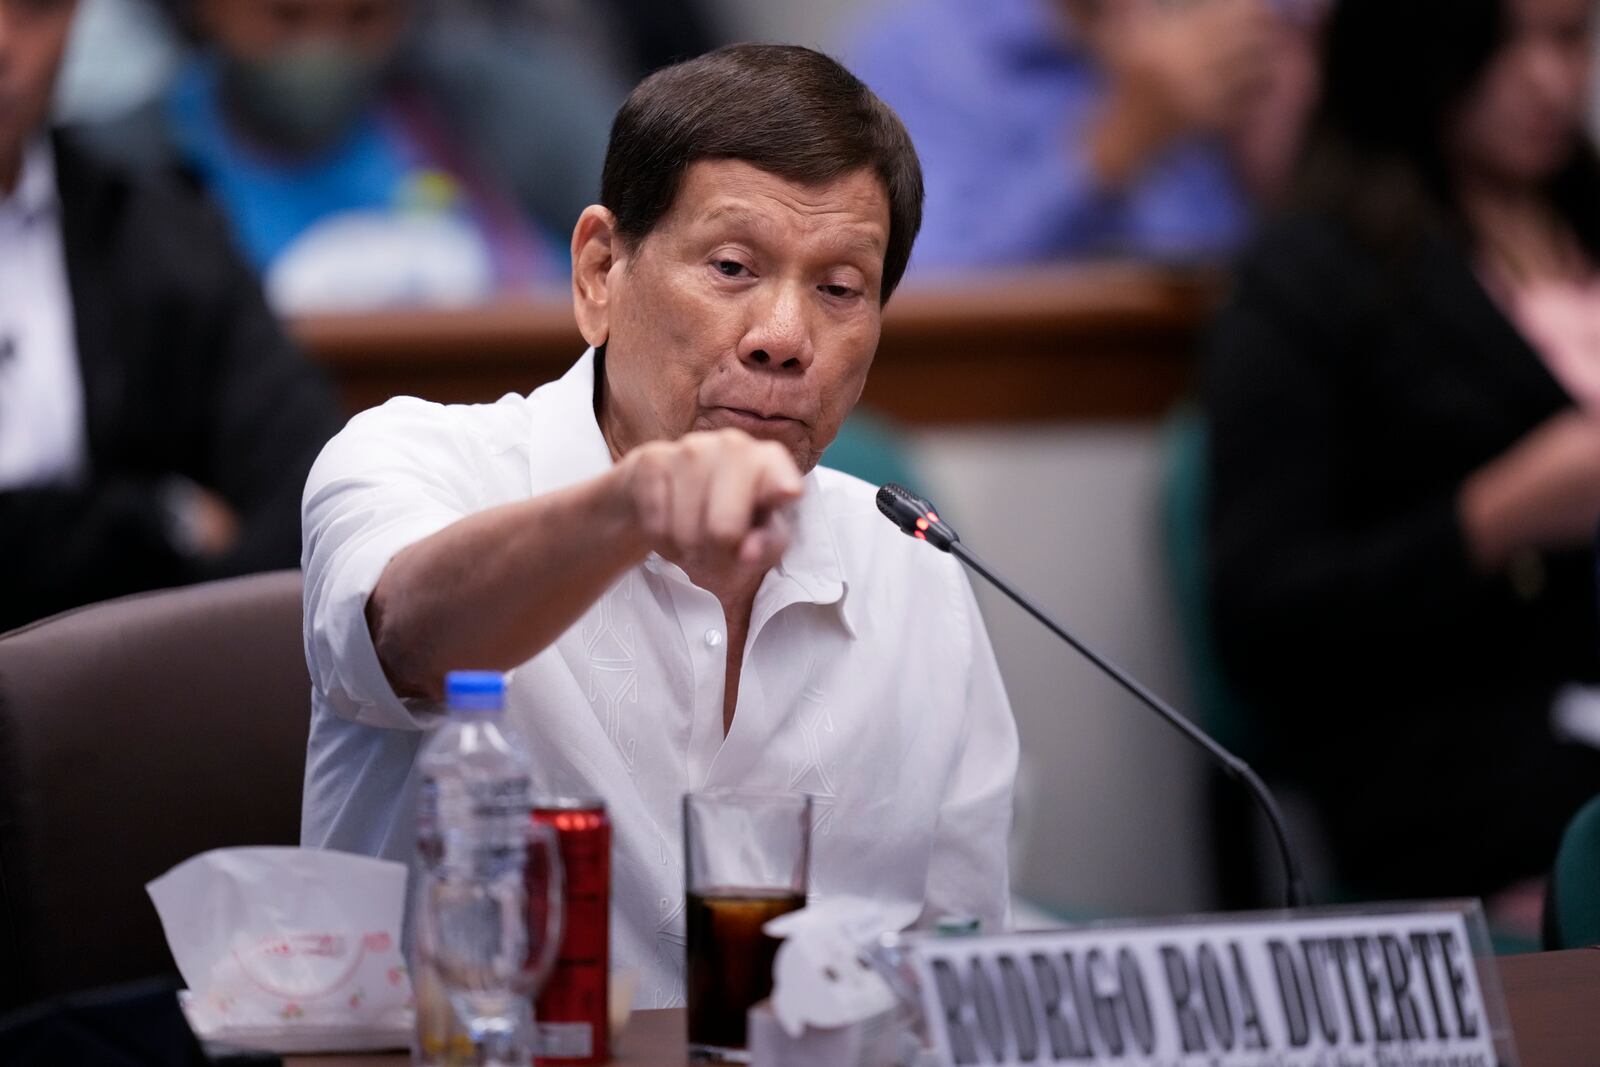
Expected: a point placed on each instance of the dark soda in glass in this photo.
(730, 960)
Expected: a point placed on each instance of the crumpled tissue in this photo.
(828, 1006)
(289, 950)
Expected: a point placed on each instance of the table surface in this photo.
(1553, 997)
(653, 1039)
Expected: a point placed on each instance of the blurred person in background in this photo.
(635, 37)
(120, 54)
(1405, 403)
(368, 159)
(155, 425)
(1055, 129)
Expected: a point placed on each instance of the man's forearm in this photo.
(494, 589)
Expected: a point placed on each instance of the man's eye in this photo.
(840, 291)
(730, 268)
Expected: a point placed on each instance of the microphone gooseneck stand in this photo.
(917, 517)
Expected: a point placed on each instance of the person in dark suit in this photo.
(1404, 395)
(156, 426)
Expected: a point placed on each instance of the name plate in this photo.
(1390, 986)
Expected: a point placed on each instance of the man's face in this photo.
(256, 29)
(753, 304)
(33, 34)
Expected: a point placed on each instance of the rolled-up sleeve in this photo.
(394, 476)
(968, 873)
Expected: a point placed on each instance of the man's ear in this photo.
(596, 249)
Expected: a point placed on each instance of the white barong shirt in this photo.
(868, 680)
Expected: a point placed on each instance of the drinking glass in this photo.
(747, 856)
(490, 930)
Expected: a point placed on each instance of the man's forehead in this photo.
(736, 193)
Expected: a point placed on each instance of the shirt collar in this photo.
(35, 195)
(567, 447)
(812, 560)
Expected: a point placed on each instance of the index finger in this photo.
(778, 479)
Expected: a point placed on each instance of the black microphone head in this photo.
(915, 516)
(893, 500)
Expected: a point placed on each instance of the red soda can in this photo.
(572, 1014)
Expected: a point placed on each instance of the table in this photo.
(1554, 999)
(653, 1039)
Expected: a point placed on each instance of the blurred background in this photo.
(1259, 339)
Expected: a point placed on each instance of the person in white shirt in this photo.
(684, 597)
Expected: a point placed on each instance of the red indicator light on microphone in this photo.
(932, 517)
(919, 535)
(922, 524)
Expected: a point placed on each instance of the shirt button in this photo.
(713, 638)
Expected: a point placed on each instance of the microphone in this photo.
(917, 517)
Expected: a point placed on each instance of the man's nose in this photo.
(779, 337)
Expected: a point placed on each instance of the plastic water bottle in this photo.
(475, 800)
(474, 833)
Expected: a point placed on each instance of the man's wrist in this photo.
(613, 514)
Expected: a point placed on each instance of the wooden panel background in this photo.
(1069, 343)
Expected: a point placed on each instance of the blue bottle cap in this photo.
(475, 690)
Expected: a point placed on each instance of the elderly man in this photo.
(687, 599)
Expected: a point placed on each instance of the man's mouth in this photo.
(773, 417)
(756, 423)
